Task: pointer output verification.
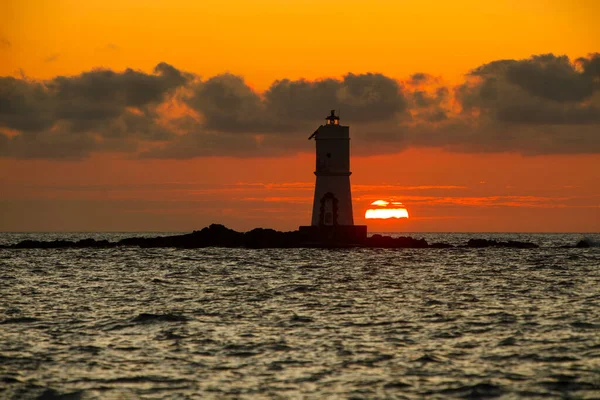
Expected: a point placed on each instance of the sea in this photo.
(362, 323)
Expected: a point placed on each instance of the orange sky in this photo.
(265, 40)
(445, 188)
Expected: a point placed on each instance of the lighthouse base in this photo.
(334, 235)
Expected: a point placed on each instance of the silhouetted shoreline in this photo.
(217, 235)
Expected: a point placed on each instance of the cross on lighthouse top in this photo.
(333, 119)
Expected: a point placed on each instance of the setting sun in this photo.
(381, 209)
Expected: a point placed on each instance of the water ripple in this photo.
(300, 323)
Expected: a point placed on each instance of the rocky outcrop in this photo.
(583, 244)
(217, 235)
(395, 243)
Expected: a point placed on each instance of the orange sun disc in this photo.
(381, 209)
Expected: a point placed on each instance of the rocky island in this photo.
(217, 235)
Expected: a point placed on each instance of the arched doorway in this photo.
(329, 210)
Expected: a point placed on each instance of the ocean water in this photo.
(220, 323)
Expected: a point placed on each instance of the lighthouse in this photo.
(332, 218)
(332, 204)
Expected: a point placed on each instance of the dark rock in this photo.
(402, 242)
(217, 235)
(148, 318)
(478, 243)
(94, 243)
(583, 244)
(265, 238)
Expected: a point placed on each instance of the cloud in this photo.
(544, 104)
(5, 43)
(99, 110)
(24, 105)
(360, 98)
(541, 105)
(544, 89)
(545, 76)
(228, 104)
(420, 78)
(238, 121)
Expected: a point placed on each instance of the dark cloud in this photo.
(591, 66)
(544, 104)
(5, 43)
(89, 112)
(547, 77)
(360, 98)
(424, 99)
(228, 104)
(550, 77)
(429, 104)
(419, 78)
(104, 88)
(25, 105)
(541, 105)
(542, 90)
(421, 99)
(237, 121)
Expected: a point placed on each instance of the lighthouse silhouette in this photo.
(332, 218)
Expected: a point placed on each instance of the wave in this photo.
(19, 320)
(149, 318)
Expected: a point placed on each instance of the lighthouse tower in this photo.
(332, 219)
(332, 204)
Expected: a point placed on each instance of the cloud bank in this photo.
(541, 105)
